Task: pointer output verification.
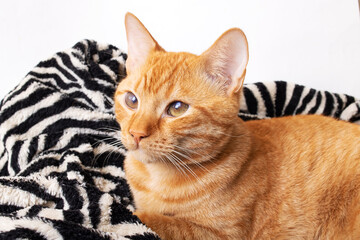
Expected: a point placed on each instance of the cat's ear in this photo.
(225, 61)
(140, 42)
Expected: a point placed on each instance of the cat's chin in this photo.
(142, 156)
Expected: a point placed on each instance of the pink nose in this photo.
(138, 135)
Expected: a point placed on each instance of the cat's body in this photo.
(284, 186)
(197, 171)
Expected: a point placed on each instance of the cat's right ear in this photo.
(226, 60)
(140, 43)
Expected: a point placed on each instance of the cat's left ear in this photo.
(226, 60)
(140, 42)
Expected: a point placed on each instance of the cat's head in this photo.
(179, 106)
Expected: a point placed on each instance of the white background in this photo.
(311, 42)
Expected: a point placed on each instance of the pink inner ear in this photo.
(226, 60)
(140, 42)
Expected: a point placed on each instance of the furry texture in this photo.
(206, 174)
(61, 161)
(61, 176)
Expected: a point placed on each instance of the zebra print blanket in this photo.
(61, 165)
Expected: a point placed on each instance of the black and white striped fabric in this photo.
(279, 98)
(61, 162)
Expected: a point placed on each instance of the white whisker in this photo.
(113, 146)
(190, 159)
(197, 151)
(187, 168)
(177, 166)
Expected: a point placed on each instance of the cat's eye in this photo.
(177, 109)
(131, 100)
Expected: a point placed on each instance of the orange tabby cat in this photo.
(197, 171)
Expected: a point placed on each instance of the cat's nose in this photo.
(138, 135)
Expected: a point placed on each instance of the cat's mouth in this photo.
(143, 156)
(143, 151)
(155, 151)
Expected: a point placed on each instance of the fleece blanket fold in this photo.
(61, 161)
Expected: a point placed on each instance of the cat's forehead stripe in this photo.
(156, 77)
(170, 76)
(137, 84)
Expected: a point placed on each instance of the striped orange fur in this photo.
(206, 174)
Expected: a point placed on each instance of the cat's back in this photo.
(314, 134)
(318, 172)
(311, 124)
(309, 144)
